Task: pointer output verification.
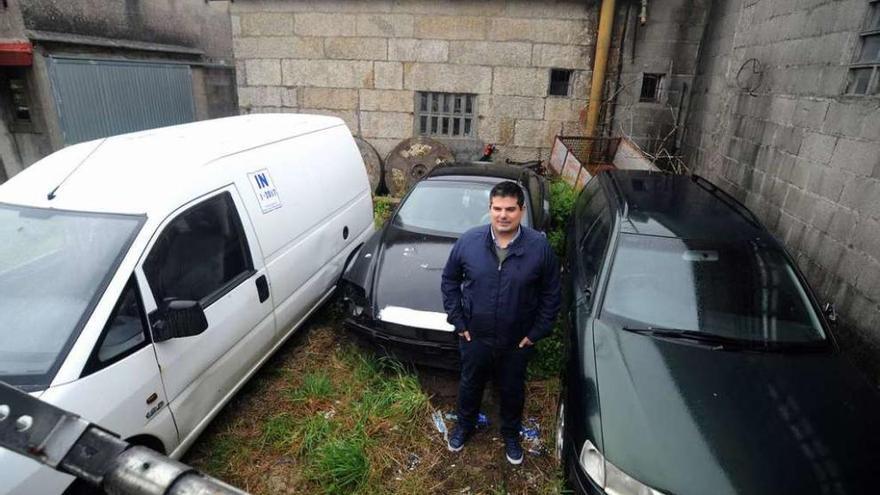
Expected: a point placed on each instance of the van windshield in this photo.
(54, 265)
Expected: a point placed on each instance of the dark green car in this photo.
(697, 359)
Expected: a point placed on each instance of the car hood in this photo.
(409, 270)
(687, 419)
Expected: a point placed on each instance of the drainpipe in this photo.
(603, 42)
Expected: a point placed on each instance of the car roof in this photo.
(153, 171)
(507, 172)
(682, 206)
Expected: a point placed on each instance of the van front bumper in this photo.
(433, 348)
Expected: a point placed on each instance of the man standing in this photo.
(501, 292)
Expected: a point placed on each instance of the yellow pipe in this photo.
(603, 42)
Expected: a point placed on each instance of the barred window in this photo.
(445, 114)
(864, 72)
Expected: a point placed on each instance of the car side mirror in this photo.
(180, 319)
(830, 313)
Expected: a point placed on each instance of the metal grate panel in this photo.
(100, 98)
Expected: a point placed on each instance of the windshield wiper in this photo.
(715, 341)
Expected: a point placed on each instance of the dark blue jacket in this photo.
(502, 303)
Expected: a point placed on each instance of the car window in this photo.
(589, 205)
(447, 207)
(586, 196)
(125, 331)
(200, 255)
(592, 249)
(744, 290)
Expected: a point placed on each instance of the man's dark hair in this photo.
(508, 189)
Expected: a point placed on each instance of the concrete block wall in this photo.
(668, 43)
(365, 61)
(800, 153)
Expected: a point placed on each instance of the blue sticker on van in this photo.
(264, 188)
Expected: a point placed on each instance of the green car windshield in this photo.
(54, 265)
(740, 290)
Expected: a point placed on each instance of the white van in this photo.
(145, 277)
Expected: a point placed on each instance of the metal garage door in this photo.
(99, 98)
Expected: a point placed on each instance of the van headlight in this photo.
(610, 477)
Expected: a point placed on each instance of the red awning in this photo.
(16, 53)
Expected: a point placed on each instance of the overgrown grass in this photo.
(312, 432)
(278, 431)
(548, 358)
(562, 199)
(338, 419)
(224, 448)
(383, 206)
(314, 386)
(341, 465)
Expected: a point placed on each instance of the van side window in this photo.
(200, 255)
(124, 333)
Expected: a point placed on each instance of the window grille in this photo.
(445, 114)
(864, 72)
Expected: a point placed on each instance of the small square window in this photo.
(445, 114)
(560, 82)
(652, 85)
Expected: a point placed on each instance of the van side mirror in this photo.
(830, 313)
(180, 319)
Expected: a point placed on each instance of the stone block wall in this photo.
(798, 151)
(365, 61)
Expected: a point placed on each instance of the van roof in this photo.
(152, 171)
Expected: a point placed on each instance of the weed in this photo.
(312, 432)
(279, 431)
(390, 391)
(376, 438)
(562, 199)
(364, 367)
(547, 362)
(314, 386)
(382, 208)
(548, 358)
(223, 448)
(394, 397)
(341, 465)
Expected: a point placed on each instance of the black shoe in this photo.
(513, 451)
(457, 439)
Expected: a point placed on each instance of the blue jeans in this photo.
(507, 367)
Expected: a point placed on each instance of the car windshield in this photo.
(53, 267)
(741, 290)
(448, 207)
